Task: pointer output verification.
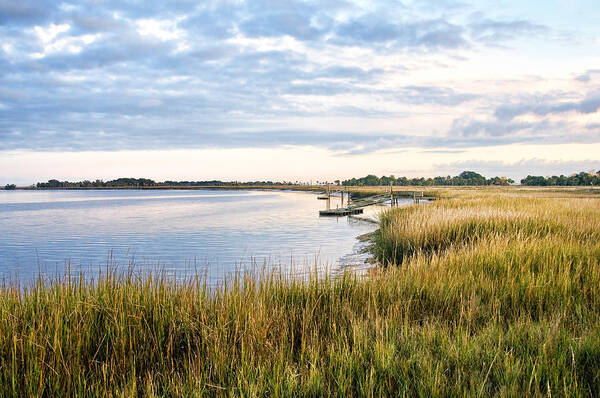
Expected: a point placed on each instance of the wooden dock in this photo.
(345, 211)
(356, 207)
(338, 211)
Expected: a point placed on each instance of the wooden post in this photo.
(417, 196)
(348, 195)
(391, 195)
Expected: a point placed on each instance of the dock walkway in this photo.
(345, 211)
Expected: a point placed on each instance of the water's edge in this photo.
(362, 257)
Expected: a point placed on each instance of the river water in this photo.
(211, 232)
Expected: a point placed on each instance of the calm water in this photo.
(211, 232)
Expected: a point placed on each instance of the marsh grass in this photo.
(488, 294)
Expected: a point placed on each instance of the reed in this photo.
(489, 293)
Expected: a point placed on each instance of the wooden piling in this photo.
(417, 196)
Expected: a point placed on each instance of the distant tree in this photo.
(50, 184)
(533, 180)
(472, 178)
(441, 180)
(503, 181)
(387, 180)
(402, 181)
(10, 187)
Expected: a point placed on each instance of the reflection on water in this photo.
(208, 231)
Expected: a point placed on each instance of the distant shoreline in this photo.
(179, 187)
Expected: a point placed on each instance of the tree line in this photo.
(464, 178)
(145, 182)
(472, 178)
(581, 178)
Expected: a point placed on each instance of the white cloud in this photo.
(51, 43)
(160, 29)
(47, 34)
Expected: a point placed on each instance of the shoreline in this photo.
(399, 190)
(362, 258)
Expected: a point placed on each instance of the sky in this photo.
(297, 90)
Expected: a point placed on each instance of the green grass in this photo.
(494, 292)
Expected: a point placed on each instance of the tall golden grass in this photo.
(494, 292)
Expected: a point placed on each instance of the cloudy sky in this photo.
(271, 89)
